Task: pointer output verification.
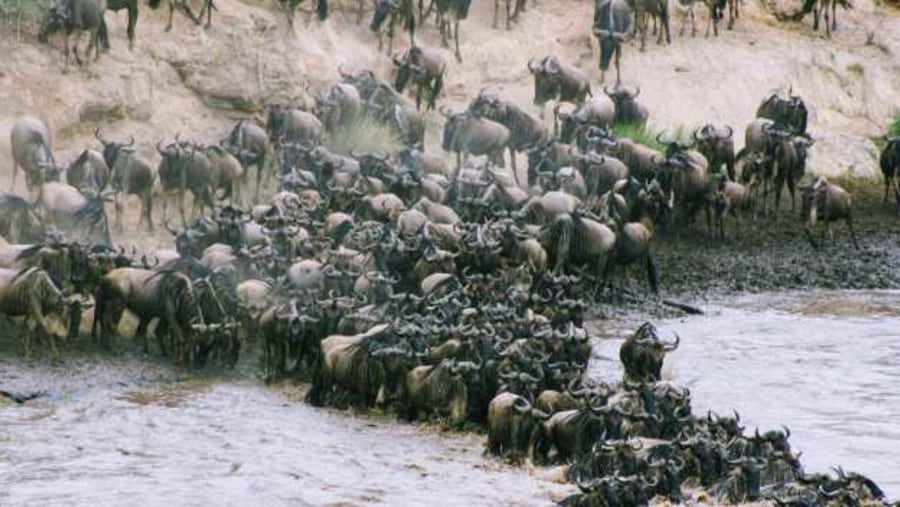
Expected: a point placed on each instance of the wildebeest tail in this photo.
(322, 9)
(154, 4)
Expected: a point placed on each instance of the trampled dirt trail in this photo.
(195, 81)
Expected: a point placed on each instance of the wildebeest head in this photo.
(546, 80)
(54, 21)
(382, 9)
(624, 101)
(276, 121)
(112, 150)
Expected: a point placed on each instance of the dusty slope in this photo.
(194, 80)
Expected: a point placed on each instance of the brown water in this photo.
(120, 431)
(825, 364)
(238, 443)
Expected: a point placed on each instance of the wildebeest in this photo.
(440, 388)
(656, 9)
(394, 12)
(77, 215)
(642, 354)
(573, 127)
(559, 81)
(19, 223)
(117, 5)
(790, 112)
(828, 202)
(88, 171)
(466, 134)
(425, 68)
(285, 124)
(818, 7)
(459, 10)
(207, 6)
(250, 144)
(510, 16)
(32, 150)
(130, 175)
(790, 161)
(628, 110)
(613, 23)
(185, 168)
(149, 294)
(76, 16)
(511, 422)
(889, 161)
(30, 293)
(717, 147)
(338, 107)
(290, 7)
(525, 131)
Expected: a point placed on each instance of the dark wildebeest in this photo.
(656, 9)
(510, 16)
(31, 149)
(890, 168)
(399, 11)
(290, 7)
(628, 109)
(790, 112)
(821, 6)
(717, 147)
(425, 67)
(790, 161)
(208, 6)
(642, 354)
(459, 9)
(613, 23)
(827, 202)
(76, 16)
(130, 175)
(555, 80)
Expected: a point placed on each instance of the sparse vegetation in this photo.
(857, 69)
(894, 129)
(365, 135)
(22, 16)
(646, 136)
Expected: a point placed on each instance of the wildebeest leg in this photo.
(456, 38)
(833, 15)
(852, 232)
(792, 188)
(618, 56)
(171, 12)
(391, 23)
(132, 21)
(141, 334)
(34, 303)
(497, 12)
(117, 200)
(827, 20)
(147, 205)
(652, 275)
(508, 23)
(181, 208)
(209, 8)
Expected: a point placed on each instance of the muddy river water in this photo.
(118, 432)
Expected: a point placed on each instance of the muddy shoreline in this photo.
(772, 255)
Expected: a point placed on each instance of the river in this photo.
(117, 430)
(825, 364)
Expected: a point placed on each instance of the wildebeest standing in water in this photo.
(76, 16)
(31, 149)
(613, 23)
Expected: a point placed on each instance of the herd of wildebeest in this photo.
(403, 281)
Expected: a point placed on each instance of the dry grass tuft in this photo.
(365, 135)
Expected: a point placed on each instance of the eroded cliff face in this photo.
(195, 81)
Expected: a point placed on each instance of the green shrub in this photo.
(365, 135)
(643, 135)
(894, 129)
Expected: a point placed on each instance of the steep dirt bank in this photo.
(194, 80)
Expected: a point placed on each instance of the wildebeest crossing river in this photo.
(111, 431)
